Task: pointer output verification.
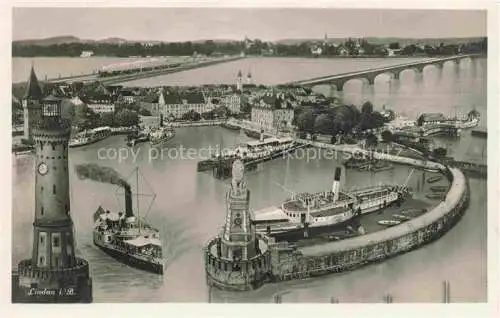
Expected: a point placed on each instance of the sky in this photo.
(190, 24)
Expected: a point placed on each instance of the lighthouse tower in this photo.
(31, 103)
(235, 260)
(53, 273)
(238, 239)
(239, 81)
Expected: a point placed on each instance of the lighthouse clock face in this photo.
(43, 169)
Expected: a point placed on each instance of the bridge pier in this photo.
(371, 80)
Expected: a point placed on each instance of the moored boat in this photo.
(309, 214)
(251, 151)
(136, 138)
(254, 134)
(401, 217)
(434, 179)
(161, 133)
(412, 212)
(439, 188)
(435, 196)
(90, 136)
(389, 222)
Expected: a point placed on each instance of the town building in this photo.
(343, 51)
(400, 123)
(272, 112)
(431, 118)
(102, 104)
(53, 273)
(128, 96)
(316, 50)
(173, 105)
(232, 102)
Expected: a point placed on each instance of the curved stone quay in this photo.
(281, 261)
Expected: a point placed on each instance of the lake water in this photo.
(190, 208)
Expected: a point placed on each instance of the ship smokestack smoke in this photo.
(128, 201)
(106, 175)
(336, 183)
(261, 137)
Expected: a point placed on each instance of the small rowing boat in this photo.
(435, 196)
(439, 188)
(402, 217)
(434, 179)
(388, 222)
(412, 211)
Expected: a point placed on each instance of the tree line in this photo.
(339, 120)
(256, 47)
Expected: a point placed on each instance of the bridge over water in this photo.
(155, 71)
(338, 80)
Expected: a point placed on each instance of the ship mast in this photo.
(408, 178)
(137, 198)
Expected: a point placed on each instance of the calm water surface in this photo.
(190, 209)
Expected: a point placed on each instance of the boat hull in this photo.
(298, 233)
(159, 142)
(130, 260)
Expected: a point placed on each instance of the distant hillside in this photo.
(73, 39)
(48, 41)
(66, 39)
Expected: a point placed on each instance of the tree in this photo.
(394, 46)
(84, 117)
(439, 152)
(345, 117)
(305, 121)
(324, 124)
(126, 118)
(107, 119)
(387, 136)
(420, 120)
(367, 108)
(245, 107)
(409, 50)
(371, 141)
(473, 114)
(210, 115)
(222, 112)
(191, 116)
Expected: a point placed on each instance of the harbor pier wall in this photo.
(283, 261)
(348, 254)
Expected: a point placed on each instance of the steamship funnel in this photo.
(336, 183)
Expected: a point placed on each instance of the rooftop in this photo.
(33, 89)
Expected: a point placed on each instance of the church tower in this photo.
(249, 78)
(239, 81)
(237, 238)
(31, 103)
(53, 270)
